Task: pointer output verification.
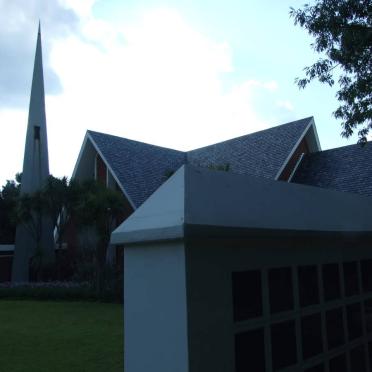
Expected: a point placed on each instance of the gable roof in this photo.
(347, 168)
(141, 168)
(260, 154)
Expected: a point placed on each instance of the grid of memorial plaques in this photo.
(312, 318)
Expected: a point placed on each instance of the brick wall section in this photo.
(101, 170)
(287, 171)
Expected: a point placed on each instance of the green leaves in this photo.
(29, 212)
(8, 200)
(343, 33)
(97, 206)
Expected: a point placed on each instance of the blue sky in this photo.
(180, 74)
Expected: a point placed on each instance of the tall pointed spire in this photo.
(36, 162)
(34, 174)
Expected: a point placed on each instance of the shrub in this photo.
(67, 291)
(112, 290)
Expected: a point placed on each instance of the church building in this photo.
(249, 254)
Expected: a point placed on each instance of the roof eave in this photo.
(189, 231)
(111, 170)
(79, 156)
(74, 173)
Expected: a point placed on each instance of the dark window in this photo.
(351, 279)
(250, 351)
(247, 296)
(308, 285)
(367, 275)
(318, 368)
(338, 364)
(368, 315)
(312, 343)
(331, 282)
(354, 321)
(281, 289)
(335, 328)
(357, 359)
(36, 132)
(283, 343)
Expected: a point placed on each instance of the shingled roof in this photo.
(260, 154)
(141, 168)
(347, 168)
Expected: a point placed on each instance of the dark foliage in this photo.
(8, 200)
(94, 210)
(66, 291)
(57, 200)
(97, 210)
(343, 35)
(63, 291)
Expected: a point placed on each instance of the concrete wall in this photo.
(155, 310)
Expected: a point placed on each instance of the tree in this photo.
(29, 213)
(50, 205)
(58, 202)
(343, 34)
(90, 205)
(54, 203)
(8, 200)
(98, 208)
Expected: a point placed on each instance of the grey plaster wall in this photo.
(161, 216)
(231, 200)
(155, 311)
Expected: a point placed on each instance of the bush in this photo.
(67, 291)
(112, 289)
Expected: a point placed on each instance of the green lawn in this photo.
(60, 336)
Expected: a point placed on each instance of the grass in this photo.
(60, 336)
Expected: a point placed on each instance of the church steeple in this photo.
(36, 162)
(34, 174)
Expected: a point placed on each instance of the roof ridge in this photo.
(257, 132)
(136, 141)
(368, 143)
(203, 147)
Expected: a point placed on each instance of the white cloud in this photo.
(12, 142)
(270, 86)
(81, 7)
(157, 80)
(285, 104)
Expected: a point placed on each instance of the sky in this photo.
(175, 73)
